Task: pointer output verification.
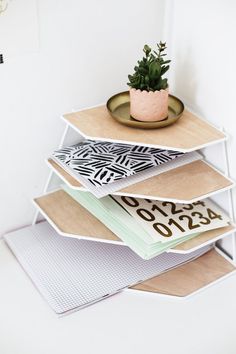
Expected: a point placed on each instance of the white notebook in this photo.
(71, 273)
(104, 167)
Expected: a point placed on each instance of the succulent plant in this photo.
(149, 71)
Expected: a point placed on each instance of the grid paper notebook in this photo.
(71, 273)
(105, 167)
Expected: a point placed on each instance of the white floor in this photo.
(127, 323)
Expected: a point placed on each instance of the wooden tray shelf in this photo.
(194, 181)
(190, 277)
(204, 239)
(187, 184)
(67, 217)
(188, 134)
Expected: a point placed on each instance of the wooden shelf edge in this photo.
(64, 175)
(67, 217)
(161, 187)
(84, 120)
(204, 239)
(191, 277)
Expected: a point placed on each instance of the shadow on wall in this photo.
(185, 81)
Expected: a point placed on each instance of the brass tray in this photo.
(119, 108)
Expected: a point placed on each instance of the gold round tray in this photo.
(119, 108)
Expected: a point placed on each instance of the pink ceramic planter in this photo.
(148, 106)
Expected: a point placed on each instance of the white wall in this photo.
(204, 54)
(86, 50)
(202, 46)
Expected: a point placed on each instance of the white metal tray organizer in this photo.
(148, 200)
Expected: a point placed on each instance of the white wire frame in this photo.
(66, 137)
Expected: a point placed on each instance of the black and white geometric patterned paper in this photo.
(102, 163)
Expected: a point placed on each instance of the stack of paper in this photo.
(104, 167)
(151, 227)
(71, 274)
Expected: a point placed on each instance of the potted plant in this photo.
(148, 89)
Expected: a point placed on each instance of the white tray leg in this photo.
(50, 177)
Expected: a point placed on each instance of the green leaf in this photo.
(164, 69)
(166, 61)
(147, 79)
(146, 49)
(164, 84)
(154, 70)
(143, 71)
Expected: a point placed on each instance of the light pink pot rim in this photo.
(145, 92)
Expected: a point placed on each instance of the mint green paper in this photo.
(121, 223)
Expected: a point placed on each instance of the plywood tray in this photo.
(188, 183)
(191, 277)
(187, 134)
(70, 219)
